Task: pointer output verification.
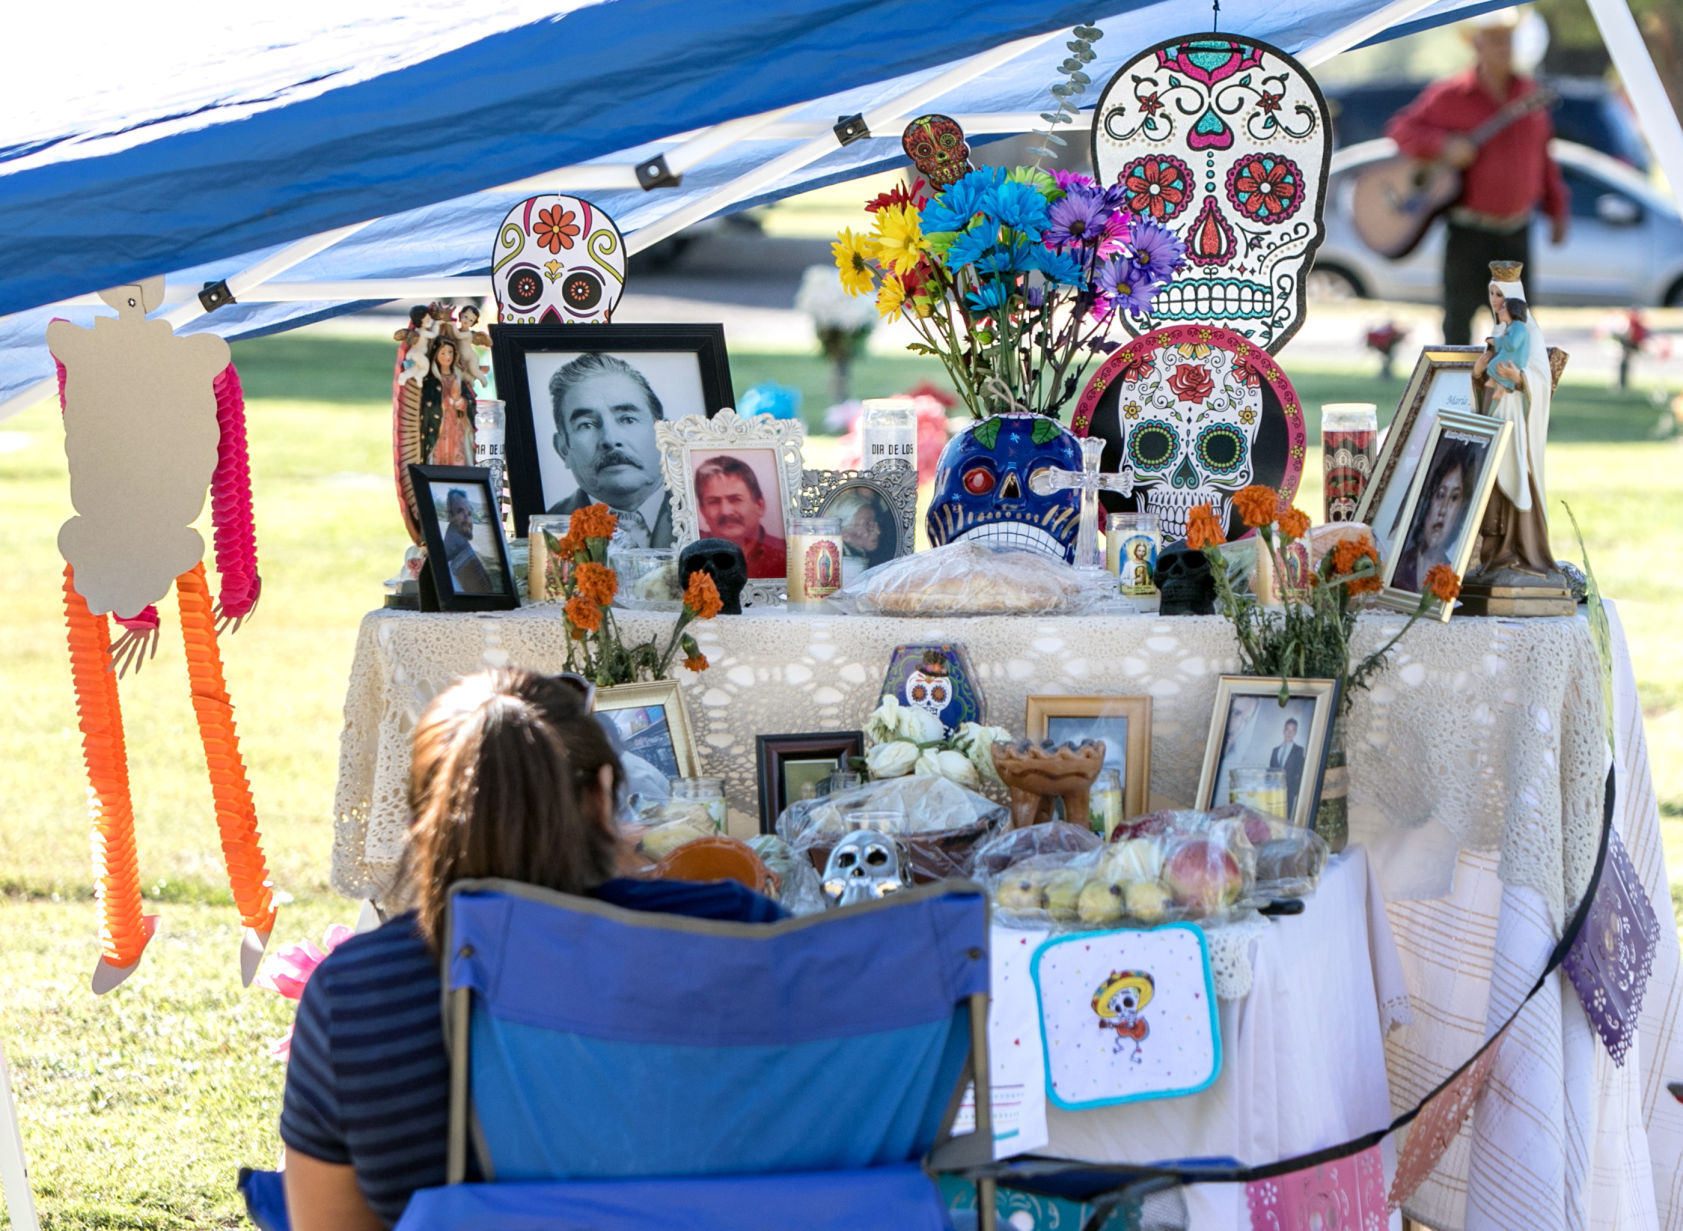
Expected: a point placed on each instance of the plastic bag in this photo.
(1289, 858)
(967, 578)
(939, 822)
(1015, 845)
(800, 892)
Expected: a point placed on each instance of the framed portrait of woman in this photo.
(877, 509)
(1439, 520)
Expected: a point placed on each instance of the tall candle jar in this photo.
(888, 432)
(488, 433)
(1132, 541)
(1349, 450)
(815, 559)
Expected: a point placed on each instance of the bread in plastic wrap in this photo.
(966, 578)
(1015, 845)
(938, 821)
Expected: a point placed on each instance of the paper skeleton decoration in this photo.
(151, 421)
(1190, 414)
(557, 261)
(1224, 140)
(936, 145)
(1120, 1002)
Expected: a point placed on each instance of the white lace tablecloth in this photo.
(1484, 734)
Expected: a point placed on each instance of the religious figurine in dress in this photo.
(447, 406)
(1514, 380)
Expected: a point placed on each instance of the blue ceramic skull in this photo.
(982, 486)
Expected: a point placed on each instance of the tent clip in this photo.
(216, 295)
(656, 174)
(851, 128)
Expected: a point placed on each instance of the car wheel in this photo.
(1333, 282)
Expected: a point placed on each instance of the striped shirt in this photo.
(368, 1081)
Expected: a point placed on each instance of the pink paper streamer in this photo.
(230, 503)
(1348, 1194)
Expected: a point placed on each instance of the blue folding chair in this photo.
(619, 1070)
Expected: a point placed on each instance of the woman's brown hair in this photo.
(505, 782)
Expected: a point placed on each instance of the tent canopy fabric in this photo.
(415, 132)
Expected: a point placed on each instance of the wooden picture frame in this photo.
(685, 368)
(1073, 718)
(888, 489)
(771, 448)
(776, 755)
(665, 742)
(1442, 381)
(1242, 735)
(468, 567)
(1464, 453)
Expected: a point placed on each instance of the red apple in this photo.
(1202, 874)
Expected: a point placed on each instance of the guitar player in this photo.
(1505, 180)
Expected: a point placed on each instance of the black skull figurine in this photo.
(1183, 575)
(723, 561)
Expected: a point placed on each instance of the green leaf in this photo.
(1053, 117)
(1091, 33)
(1044, 431)
(1080, 78)
(1070, 65)
(986, 433)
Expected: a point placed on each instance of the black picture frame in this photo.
(450, 594)
(512, 346)
(774, 753)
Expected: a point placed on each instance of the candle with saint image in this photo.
(815, 559)
(1349, 449)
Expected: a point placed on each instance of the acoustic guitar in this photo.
(1396, 200)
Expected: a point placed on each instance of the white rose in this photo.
(976, 742)
(919, 726)
(893, 759)
(880, 727)
(944, 763)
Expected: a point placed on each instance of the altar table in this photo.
(1477, 762)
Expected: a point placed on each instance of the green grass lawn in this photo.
(138, 1108)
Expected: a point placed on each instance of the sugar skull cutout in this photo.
(936, 144)
(982, 486)
(1224, 140)
(935, 679)
(1193, 413)
(558, 260)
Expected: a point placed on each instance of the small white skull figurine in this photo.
(865, 865)
(1224, 140)
(557, 261)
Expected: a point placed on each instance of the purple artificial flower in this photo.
(1068, 180)
(1124, 285)
(1077, 219)
(1156, 250)
(1034, 298)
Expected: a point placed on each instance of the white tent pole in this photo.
(1642, 81)
(14, 1168)
(1339, 41)
(774, 170)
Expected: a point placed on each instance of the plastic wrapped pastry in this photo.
(965, 578)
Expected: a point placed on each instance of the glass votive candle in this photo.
(1262, 790)
(648, 577)
(1132, 541)
(1349, 450)
(706, 792)
(815, 559)
(845, 780)
(488, 436)
(888, 432)
(546, 569)
(1104, 803)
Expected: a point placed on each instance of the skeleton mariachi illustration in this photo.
(151, 420)
(1120, 1001)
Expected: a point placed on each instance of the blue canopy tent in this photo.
(318, 164)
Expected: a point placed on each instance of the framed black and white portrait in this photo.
(466, 556)
(582, 404)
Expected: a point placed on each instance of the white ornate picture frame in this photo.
(683, 441)
(890, 487)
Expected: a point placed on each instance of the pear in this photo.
(1063, 891)
(1100, 903)
(1019, 891)
(1146, 901)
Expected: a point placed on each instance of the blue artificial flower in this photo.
(1018, 206)
(954, 208)
(1077, 219)
(1063, 268)
(971, 247)
(1156, 250)
(1122, 284)
(990, 296)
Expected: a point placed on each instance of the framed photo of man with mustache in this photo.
(583, 402)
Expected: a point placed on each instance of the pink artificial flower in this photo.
(288, 969)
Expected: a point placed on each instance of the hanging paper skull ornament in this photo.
(558, 260)
(1224, 140)
(936, 145)
(1192, 414)
(983, 492)
(865, 865)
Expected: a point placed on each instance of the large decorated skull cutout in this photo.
(1225, 141)
(982, 488)
(558, 260)
(1192, 414)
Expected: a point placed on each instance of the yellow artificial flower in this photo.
(891, 297)
(898, 239)
(853, 257)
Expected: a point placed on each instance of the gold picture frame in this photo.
(667, 743)
(1069, 719)
(1463, 452)
(1241, 733)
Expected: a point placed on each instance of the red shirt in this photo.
(768, 558)
(1513, 173)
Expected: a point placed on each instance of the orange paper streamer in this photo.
(123, 933)
(236, 815)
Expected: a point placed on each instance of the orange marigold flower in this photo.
(1365, 585)
(696, 662)
(1347, 554)
(1256, 504)
(1203, 530)
(701, 596)
(596, 522)
(1294, 522)
(597, 582)
(1442, 582)
(583, 614)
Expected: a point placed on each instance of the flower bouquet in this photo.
(905, 740)
(595, 648)
(1010, 278)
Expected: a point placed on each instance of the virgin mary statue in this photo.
(1513, 380)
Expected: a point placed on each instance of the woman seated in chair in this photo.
(511, 778)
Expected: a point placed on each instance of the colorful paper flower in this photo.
(556, 228)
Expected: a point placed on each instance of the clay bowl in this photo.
(718, 858)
